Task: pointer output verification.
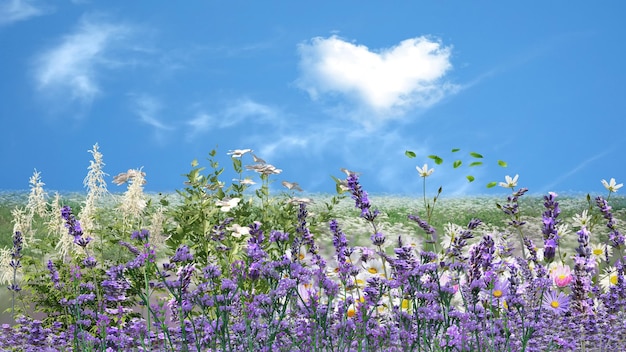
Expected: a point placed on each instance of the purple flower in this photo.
(360, 197)
(556, 302)
(54, 274)
(142, 235)
(182, 255)
(378, 239)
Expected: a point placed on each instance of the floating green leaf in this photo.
(492, 184)
(502, 163)
(470, 178)
(437, 159)
(476, 163)
(476, 155)
(455, 150)
(409, 154)
(457, 163)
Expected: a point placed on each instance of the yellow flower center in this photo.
(372, 270)
(351, 312)
(405, 304)
(613, 279)
(497, 293)
(554, 304)
(597, 251)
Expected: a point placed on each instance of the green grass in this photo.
(394, 211)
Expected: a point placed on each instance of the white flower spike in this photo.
(510, 182)
(612, 186)
(424, 171)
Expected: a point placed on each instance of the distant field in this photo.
(393, 218)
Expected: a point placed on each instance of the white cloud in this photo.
(20, 10)
(147, 108)
(239, 111)
(388, 81)
(72, 67)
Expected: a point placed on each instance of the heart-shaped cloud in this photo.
(403, 76)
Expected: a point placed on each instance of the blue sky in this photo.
(313, 87)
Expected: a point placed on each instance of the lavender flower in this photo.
(73, 226)
(360, 197)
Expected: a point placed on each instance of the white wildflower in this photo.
(238, 230)
(6, 271)
(227, 204)
(96, 189)
(292, 185)
(37, 196)
(580, 220)
(510, 182)
(424, 171)
(245, 181)
(264, 169)
(612, 186)
(257, 159)
(134, 200)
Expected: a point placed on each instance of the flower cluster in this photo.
(277, 292)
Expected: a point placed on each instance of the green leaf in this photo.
(455, 150)
(502, 163)
(492, 184)
(437, 159)
(457, 163)
(476, 155)
(470, 178)
(476, 163)
(410, 154)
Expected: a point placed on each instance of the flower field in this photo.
(232, 266)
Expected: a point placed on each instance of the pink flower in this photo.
(561, 275)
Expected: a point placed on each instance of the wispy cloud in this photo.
(575, 170)
(387, 82)
(236, 113)
(72, 67)
(20, 10)
(147, 109)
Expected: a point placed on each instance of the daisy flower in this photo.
(450, 232)
(556, 302)
(609, 278)
(598, 250)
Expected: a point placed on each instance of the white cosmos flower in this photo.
(424, 171)
(611, 186)
(510, 182)
(227, 204)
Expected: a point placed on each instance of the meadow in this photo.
(234, 265)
